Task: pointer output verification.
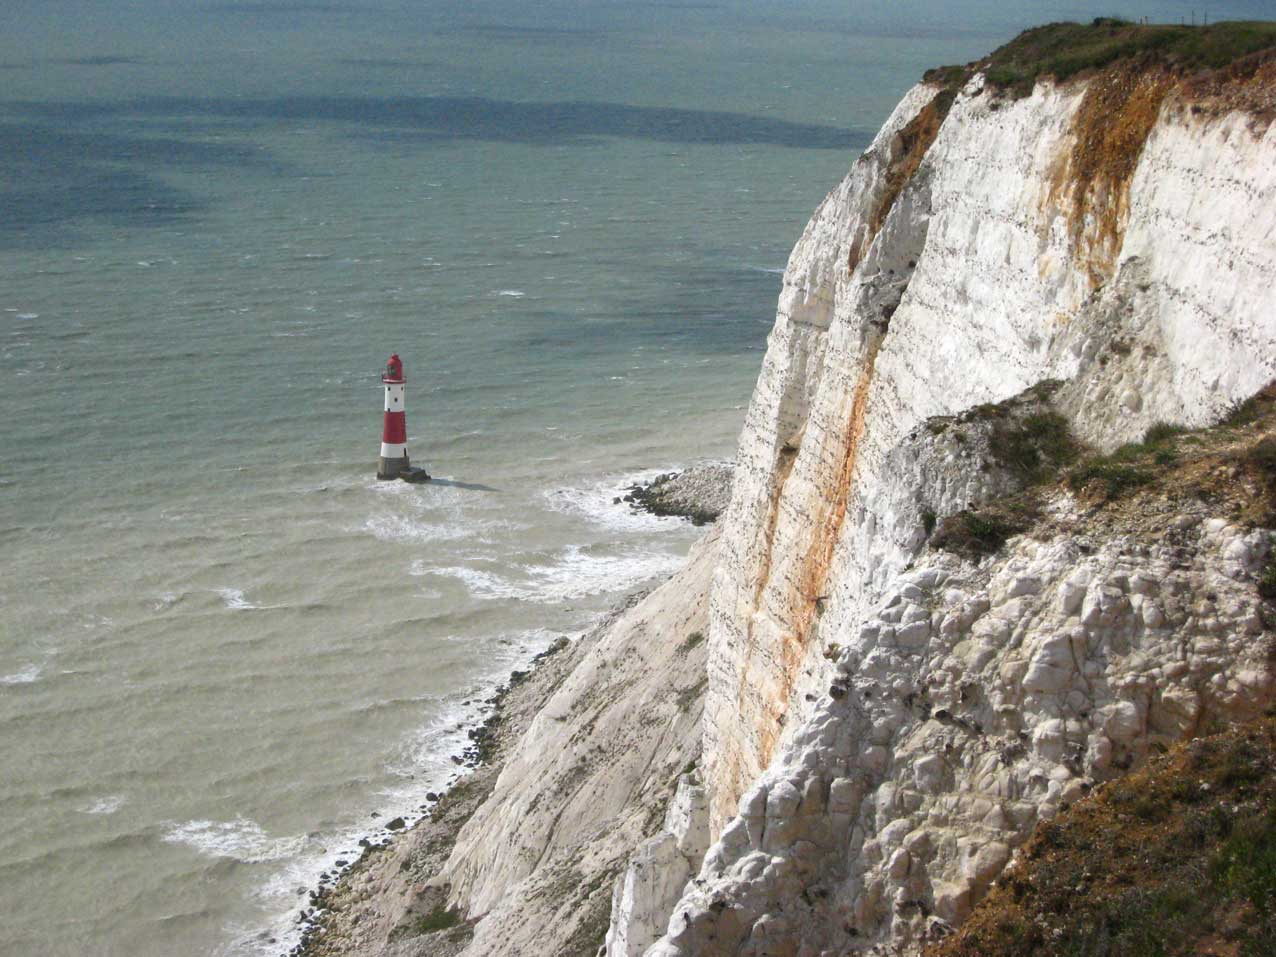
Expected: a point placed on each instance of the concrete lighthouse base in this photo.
(390, 469)
(399, 468)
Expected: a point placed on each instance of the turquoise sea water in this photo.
(223, 644)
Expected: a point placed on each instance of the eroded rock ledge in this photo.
(985, 694)
(700, 493)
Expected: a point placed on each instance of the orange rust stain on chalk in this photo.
(1090, 183)
(736, 776)
(812, 574)
(908, 148)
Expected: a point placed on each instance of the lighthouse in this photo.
(394, 432)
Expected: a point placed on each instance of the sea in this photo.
(227, 651)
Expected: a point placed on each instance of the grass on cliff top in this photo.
(1064, 50)
(1176, 859)
(1225, 462)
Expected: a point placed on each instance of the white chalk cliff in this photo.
(856, 821)
(884, 723)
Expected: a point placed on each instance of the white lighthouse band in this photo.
(394, 397)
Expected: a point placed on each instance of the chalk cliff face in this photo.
(980, 282)
(1009, 256)
(828, 735)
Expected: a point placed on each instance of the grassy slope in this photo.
(1229, 467)
(1179, 858)
(1064, 50)
(1176, 859)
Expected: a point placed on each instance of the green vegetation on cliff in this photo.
(1064, 50)
(1230, 466)
(1176, 859)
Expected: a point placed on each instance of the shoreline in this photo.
(699, 494)
(332, 905)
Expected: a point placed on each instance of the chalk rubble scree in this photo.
(884, 723)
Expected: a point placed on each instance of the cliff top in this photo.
(1065, 50)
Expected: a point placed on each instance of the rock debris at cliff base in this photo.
(700, 493)
(382, 899)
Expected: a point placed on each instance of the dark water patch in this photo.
(284, 9)
(40, 145)
(496, 31)
(878, 31)
(701, 311)
(106, 60)
(169, 922)
(378, 63)
(467, 486)
(479, 118)
(55, 182)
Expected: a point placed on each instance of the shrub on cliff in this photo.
(1177, 859)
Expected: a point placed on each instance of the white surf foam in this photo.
(511, 293)
(400, 528)
(597, 503)
(166, 600)
(575, 574)
(28, 675)
(234, 599)
(241, 839)
(106, 805)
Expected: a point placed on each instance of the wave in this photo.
(576, 574)
(242, 840)
(106, 805)
(28, 675)
(165, 601)
(401, 529)
(235, 599)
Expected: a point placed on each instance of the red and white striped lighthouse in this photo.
(394, 433)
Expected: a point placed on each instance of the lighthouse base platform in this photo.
(390, 469)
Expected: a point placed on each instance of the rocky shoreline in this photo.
(330, 921)
(700, 493)
(338, 905)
